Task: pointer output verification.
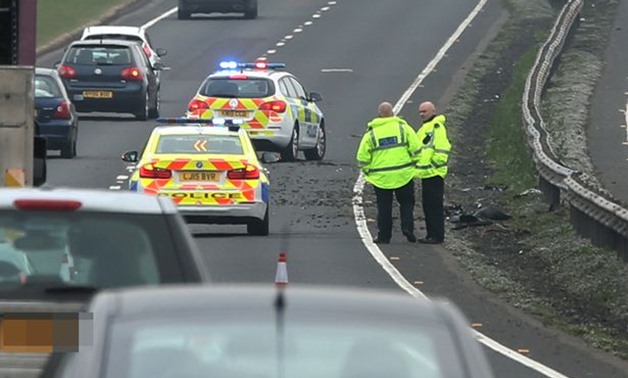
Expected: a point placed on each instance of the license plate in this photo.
(235, 113)
(199, 176)
(97, 94)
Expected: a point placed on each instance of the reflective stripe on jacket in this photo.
(388, 153)
(435, 148)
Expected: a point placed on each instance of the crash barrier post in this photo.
(16, 125)
(594, 213)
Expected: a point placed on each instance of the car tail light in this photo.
(250, 172)
(131, 73)
(46, 205)
(147, 51)
(66, 72)
(62, 111)
(150, 171)
(196, 105)
(275, 106)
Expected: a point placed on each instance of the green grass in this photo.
(508, 148)
(55, 18)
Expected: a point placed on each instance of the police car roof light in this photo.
(263, 65)
(228, 65)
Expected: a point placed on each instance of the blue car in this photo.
(56, 114)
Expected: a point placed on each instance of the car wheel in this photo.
(154, 111)
(183, 14)
(142, 112)
(259, 227)
(68, 151)
(318, 152)
(251, 13)
(292, 150)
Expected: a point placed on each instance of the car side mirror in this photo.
(161, 52)
(315, 97)
(269, 157)
(130, 157)
(158, 66)
(56, 65)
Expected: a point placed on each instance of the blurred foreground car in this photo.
(56, 115)
(187, 7)
(271, 104)
(211, 172)
(259, 332)
(60, 246)
(111, 76)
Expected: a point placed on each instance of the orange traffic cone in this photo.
(281, 276)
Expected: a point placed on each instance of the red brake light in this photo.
(131, 73)
(46, 205)
(275, 106)
(149, 171)
(197, 104)
(147, 51)
(62, 111)
(238, 77)
(250, 172)
(66, 71)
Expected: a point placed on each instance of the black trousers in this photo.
(405, 197)
(433, 191)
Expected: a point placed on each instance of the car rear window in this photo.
(238, 88)
(85, 248)
(46, 87)
(99, 55)
(124, 37)
(199, 144)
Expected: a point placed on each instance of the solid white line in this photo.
(159, 18)
(377, 254)
(336, 70)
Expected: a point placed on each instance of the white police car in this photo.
(272, 105)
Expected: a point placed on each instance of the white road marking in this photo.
(270, 52)
(336, 70)
(122, 177)
(377, 254)
(308, 23)
(332, 3)
(298, 30)
(316, 15)
(288, 37)
(626, 120)
(324, 9)
(115, 187)
(279, 44)
(159, 18)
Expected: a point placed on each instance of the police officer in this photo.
(432, 169)
(387, 156)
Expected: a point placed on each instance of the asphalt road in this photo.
(381, 47)
(607, 133)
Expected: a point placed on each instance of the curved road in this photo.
(356, 53)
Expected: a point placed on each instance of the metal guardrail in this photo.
(595, 214)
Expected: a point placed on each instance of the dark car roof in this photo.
(242, 297)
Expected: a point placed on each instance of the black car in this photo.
(56, 114)
(111, 76)
(264, 332)
(187, 7)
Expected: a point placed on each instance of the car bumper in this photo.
(225, 214)
(123, 100)
(215, 6)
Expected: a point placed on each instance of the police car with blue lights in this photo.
(211, 173)
(270, 103)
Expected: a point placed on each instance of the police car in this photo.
(272, 105)
(211, 173)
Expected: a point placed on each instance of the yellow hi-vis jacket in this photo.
(435, 148)
(388, 153)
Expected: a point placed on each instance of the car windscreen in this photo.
(229, 344)
(199, 144)
(238, 88)
(98, 56)
(46, 87)
(90, 249)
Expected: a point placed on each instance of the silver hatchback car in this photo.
(272, 105)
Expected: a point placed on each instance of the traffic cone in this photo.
(281, 276)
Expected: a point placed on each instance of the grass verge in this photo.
(55, 19)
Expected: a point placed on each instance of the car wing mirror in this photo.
(315, 97)
(56, 65)
(161, 52)
(269, 157)
(130, 157)
(158, 66)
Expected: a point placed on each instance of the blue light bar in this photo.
(260, 65)
(228, 65)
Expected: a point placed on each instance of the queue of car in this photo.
(129, 260)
